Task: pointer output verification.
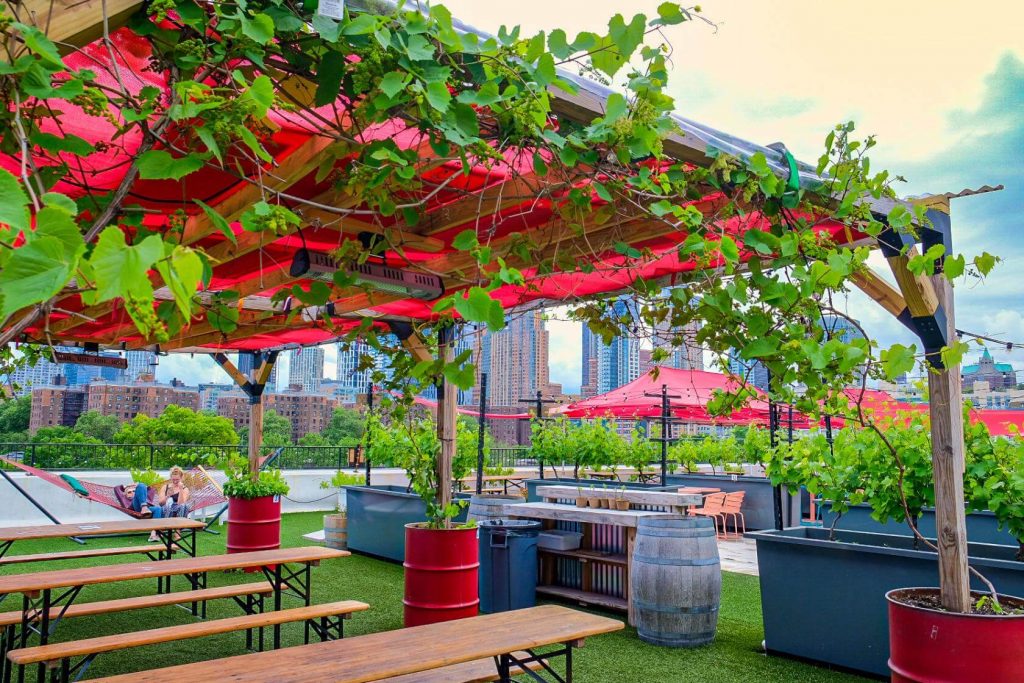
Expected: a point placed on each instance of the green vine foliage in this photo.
(412, 444)
(861, 469)
(242, 485)
(475, 101)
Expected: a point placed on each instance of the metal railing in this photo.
(110, 456)
(116, 456)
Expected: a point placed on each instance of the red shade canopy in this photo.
(502, 200)
(882, 405)
(641, 398)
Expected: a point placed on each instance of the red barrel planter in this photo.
(929, 646)
(254, 524)
(441, 568)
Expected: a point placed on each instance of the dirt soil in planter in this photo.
(982, 604)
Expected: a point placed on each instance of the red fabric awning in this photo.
(694, 387)
(882, 405)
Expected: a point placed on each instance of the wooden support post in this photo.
(947, 429)
(255, 433)
(253, 388)
(446, 399)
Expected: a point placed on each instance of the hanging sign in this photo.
(335, 9)
(89, 359)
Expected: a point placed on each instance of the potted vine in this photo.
(857, 474)
(441, 555)
(254, 508)
(336, 524)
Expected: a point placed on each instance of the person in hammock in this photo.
(170, 499)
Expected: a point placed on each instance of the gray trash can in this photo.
(508, 564)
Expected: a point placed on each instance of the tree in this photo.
(178, 425)
(15, 414)
(346, 427)
(95, 424)
(277, 429)
(314, 439)
(65, 447)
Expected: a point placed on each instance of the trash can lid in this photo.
(510, 524)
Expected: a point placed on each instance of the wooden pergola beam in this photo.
(74, 23)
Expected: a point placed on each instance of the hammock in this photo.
(203, 490)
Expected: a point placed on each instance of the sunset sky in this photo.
(940, 84)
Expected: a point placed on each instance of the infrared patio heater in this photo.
(375, 274)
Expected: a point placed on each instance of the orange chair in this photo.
(714, 504)
(733, 507)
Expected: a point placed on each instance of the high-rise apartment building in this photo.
(308, 413)
(306, 368)
(619, 362)
(139, 363)
(516, 360)
(753, 373)
(591, 344)
(352, 381)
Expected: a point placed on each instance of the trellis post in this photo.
(446, 399)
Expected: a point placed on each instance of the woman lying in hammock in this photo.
(169, 499)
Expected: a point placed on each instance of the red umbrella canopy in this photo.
(694, 388)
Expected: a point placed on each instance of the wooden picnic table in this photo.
(165, 526)
(698, 490)
(514, 480)
(51, 592)
(380, 656)
(176, 533)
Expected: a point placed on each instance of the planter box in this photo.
(758, 504)
(981, 526)
(377, 516)
(532, 484)
(825, 600)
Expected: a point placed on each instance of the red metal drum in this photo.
(930, 646)
(441, 567)
(254, 524)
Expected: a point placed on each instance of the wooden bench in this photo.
(88, 552)
(383, 656)
(10, 621)
(287, 570)
(480, 671)
(88, 609)
(61, 654)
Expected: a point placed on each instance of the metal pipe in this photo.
(481, 426)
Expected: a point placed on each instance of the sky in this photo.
(940, 85)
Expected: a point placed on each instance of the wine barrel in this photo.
(490, 507)
(676, 581)
(336, 531)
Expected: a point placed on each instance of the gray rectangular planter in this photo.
(532, 484)
(982, 527)
(758, 504)
(824, 600)
(377, 516)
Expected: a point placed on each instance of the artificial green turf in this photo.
(734, 656)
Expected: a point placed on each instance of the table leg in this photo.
(277, 604)
(626, 571)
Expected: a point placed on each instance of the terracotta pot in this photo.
(621, 504)
(581, 502)
(594, 502)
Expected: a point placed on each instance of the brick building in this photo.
(62, 405)
(308, 413)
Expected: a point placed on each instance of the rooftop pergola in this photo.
(501, 202)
